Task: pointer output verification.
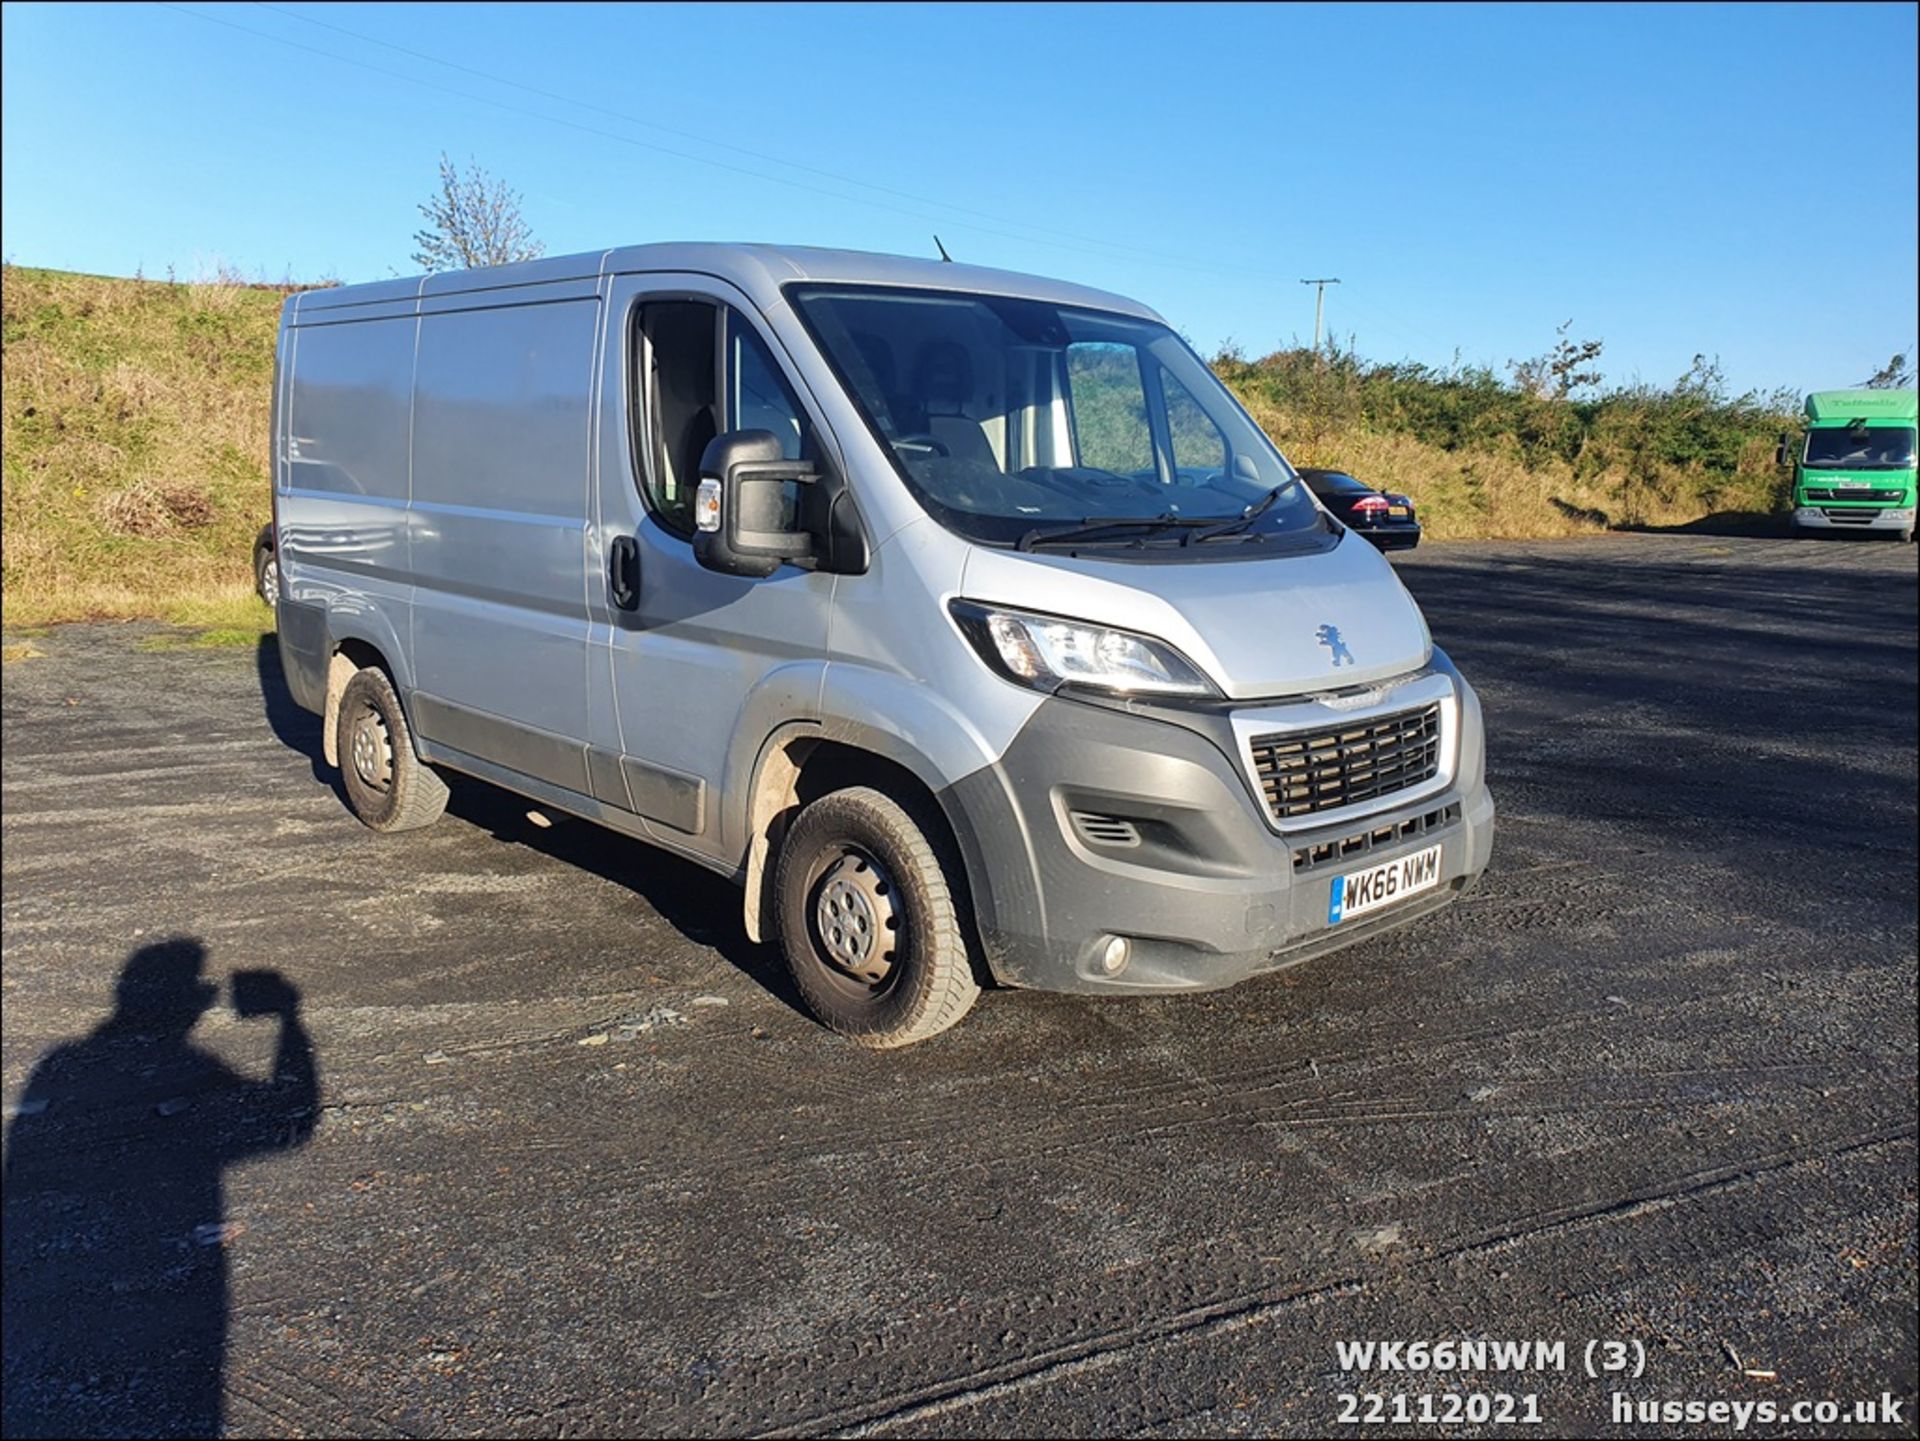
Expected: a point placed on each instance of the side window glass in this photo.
(675, 344)
(1198, 445)
(1109, 408)
(758, 397)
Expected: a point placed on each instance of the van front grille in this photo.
(1303, 773)
(1878, 495)
(1305, 858)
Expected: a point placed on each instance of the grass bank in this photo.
(136, 413)
(135, 447)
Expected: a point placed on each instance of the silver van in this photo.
(962, 617)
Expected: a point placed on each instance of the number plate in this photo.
(1358, 892)
(1396, 510)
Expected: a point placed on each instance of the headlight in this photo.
(1046, 652)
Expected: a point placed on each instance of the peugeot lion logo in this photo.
(1330, 638)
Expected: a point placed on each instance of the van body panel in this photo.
(345, 302)
(697, 643)
(900, 665)
(785, 704)
(501, 436)
(762, 271)
(558, 759)
(348, 414)
(1254, 626)
(306, 649)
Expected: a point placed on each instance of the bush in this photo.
(1485, 456)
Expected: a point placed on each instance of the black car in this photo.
(1382, 517)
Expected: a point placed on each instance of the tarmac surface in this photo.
(519, 1135)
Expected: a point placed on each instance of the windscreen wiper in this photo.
(1102, 524)
(1246, 517)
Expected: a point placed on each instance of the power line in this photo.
(637, 143)
(576, 125)
(566, 99)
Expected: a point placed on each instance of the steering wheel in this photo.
(929, 443)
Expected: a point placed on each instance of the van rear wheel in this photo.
(389, 787)
(868, 921)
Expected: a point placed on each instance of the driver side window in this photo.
(758, 396)
(706, 371)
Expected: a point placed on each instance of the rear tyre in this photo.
(389, 787)
(266, 574)
(868, 921)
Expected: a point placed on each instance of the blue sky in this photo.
(1738, 181)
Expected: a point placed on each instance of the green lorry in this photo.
(1854, 470)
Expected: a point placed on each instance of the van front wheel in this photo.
(868, 921)
(389, 787)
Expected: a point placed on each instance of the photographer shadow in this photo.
(116, 1231)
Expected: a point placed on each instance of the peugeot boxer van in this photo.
(961, 617)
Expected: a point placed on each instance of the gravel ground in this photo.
(519, 1135)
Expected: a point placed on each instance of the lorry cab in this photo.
(962, 617)
(1854, 469)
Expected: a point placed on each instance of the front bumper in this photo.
(1205, 892)
(1855, 517)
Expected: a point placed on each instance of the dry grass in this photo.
(135, 443)
(1488, 491)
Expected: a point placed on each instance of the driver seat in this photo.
(943, 384)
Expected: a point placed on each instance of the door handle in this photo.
(623, 573)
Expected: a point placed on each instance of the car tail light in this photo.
(1371, 503)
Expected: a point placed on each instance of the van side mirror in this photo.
(1780, 450)
(749, 511)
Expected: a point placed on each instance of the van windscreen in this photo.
(1008, 417)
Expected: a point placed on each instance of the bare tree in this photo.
(472, 220)
(1562, 370)
(1896, 374)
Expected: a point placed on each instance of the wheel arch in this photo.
(803, 761)
(350, 652)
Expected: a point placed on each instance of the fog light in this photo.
(1113, 960)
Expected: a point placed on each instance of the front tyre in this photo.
(868, 921)
(389, 787)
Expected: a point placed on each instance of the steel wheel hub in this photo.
(372, 751)
(855, 918)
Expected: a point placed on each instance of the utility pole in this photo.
(1319, 306)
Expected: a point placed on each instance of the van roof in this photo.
(1837, 407)
(759, 270)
